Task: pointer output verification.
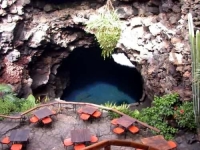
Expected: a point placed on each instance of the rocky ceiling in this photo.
(35, 37)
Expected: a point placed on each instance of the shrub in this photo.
(152, 117)
(184, 115)
(9, 102)
(6, 92)
(162, 109)
(7, 106)
(28, 103)
(5, 88)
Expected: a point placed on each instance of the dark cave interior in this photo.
(87, 66)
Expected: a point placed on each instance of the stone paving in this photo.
(48, 137)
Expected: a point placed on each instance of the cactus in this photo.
(194, 40)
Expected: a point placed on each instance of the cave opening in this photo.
(95, 80)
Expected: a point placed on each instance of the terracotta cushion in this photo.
(114, 121)
(118, 130)
(47, 120)
(16, 147)
(172, 144)
(79, 147)
(96, 114)
(68, 142)
(5, 140)
(133, 129)
(34, 119)
(84, 116)
(93, 139)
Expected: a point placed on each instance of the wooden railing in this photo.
(106, 144)
(60, 102)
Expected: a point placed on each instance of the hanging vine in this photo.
(107, 29)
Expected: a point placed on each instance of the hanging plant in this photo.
(107, 29)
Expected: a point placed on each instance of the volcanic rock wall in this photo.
(35, 37)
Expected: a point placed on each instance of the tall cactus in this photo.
(195, 54)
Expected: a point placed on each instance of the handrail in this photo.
(107, 143)
(59, 102)
(10, 117)
(42, 105)
(110, 109)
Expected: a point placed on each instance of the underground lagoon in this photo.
(97, 80)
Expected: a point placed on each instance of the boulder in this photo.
(13, 56)
(124, 12)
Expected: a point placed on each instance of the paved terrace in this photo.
(48, 137)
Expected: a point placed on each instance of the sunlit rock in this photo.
(121, 59)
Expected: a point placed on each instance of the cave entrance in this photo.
(95, 80)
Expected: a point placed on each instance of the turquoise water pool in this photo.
(95, 80)
(100, 93)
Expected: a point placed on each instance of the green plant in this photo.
(107, 29)
(6, 92)
(7, 106)
(9, 102)
(41, 99)
(158, 115)
(112, 114)
(165, 104)
(24, 104)
(5, 88)
(135, 114)
(184, 115)
(164, 110)
(124, 108)
(28, 103)
(18, 103)
(195, 54)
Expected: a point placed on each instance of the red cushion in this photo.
(34, 119)
(118, 130)
(172, 144)
(133, 129)
(96, 114)
(68, 142)
(47, 120)
(16, 147)
(5, 140)
(93, 139)
(114, 121)
(79, 147)
(84, 116)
